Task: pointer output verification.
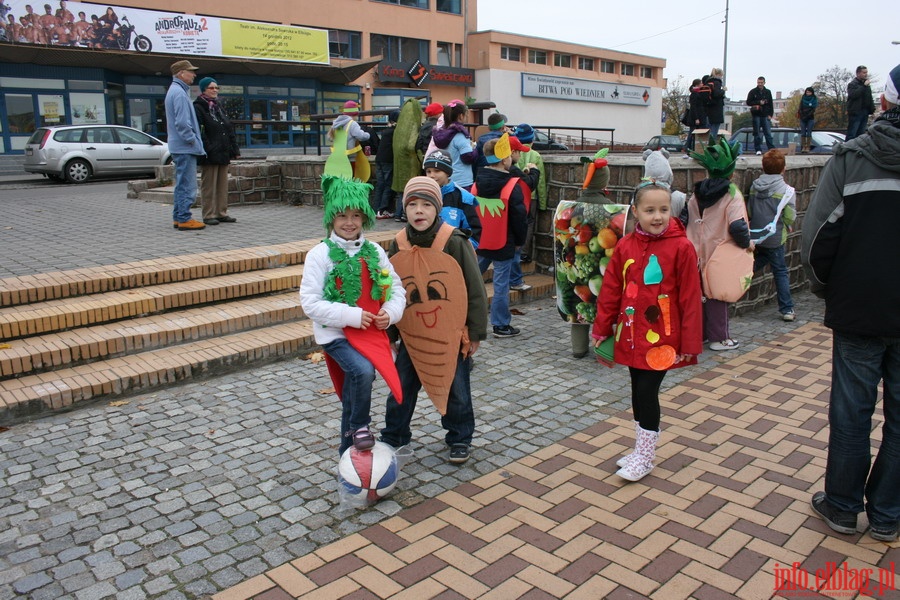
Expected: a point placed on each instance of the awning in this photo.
(135, 63)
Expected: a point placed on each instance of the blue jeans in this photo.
(500, 315)
(774, 257)
(516, 277)
(760, 122)
(859, 363)
(185, 186)
(356, 397)
(384, 195)
(856, 125)
(459, 422)
(713, 132)
(806, 127)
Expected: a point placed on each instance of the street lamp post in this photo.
(725, 54)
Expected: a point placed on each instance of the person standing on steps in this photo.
(185, 144)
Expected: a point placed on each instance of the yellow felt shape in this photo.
(503, 149)
(434, 322)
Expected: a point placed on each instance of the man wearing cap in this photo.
(848, 246)
(185, 144)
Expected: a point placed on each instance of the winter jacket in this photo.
(850, 235)
(699, 100)
(385, 153)
(182, 125)
(766, 193)
(754, 98)
(355, 133)
(460, 209)
(628, 301)
(425, 136)
(459, 248)
(539, 194)
(859, 98)
(715, 112)
(456, 141)
(807, 110)
(490, 184)
(217, 133)
(330, 318)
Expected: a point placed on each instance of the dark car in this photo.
(672, 143)
(822, 142)
(542, 141)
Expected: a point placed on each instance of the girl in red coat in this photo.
(650, 304)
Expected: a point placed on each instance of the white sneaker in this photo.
(788, 316)
(724, 345)
(522, 287)
(759, 152)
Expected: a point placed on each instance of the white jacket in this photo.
(330, 318)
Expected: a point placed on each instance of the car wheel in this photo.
(78, 171)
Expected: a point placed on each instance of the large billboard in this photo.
(101, 26)
(566, 88)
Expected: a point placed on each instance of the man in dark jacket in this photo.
(384, 172)
(761, 109)
(849, 239)
(860, 103)
(490, 183)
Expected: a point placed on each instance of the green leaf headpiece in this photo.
(719, 159)
(346, 194)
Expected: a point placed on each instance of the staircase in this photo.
(73, 336)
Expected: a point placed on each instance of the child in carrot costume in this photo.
(444, 322)
(350, 292)
(650, 304)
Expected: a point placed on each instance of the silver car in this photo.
(76, 153)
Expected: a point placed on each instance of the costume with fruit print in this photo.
(585, 233)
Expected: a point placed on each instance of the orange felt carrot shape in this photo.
(589, 175)
(666, 311)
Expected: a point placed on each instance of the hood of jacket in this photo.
(443, 136)
(340, 121)
(882, 144)
(709, 191)
(768, 184)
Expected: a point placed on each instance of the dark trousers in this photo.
(645, 386)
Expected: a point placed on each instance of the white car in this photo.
(76, 153)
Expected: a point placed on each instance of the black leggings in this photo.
(645, 397)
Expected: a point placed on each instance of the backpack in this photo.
(494, 214)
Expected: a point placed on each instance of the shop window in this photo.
(537, 57)
(344, 44)
(607, 66)
(413, 3)
(585, 64)
(398, 48)
(449, 6)
(647, 72)
(627, 69)
(510, 53)
(562, 60)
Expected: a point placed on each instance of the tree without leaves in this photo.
(674, 103)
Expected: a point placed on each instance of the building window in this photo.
(398, 48)
(510, 53)
(457, 55)
(647, 72)
(444, 52)
(607, 66)
(627, 69)
(585, 64)
(537, 57)
(413, 3)
(562, 60)
(344, 44)
(449, 6)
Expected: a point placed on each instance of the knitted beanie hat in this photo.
(204, 83)
(439, 160)
(434, 109)
(425, 188)
(657, 167)
(892, 85)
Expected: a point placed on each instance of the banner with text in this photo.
(564, 88)
(86, 25)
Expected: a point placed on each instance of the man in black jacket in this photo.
(761, 109)
(860, 103)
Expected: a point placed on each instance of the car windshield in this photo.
(669, 139)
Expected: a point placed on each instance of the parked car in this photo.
(76, 153)
(672, 143)
(783, 136)
(542, 141)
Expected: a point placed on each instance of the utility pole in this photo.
(725, 56)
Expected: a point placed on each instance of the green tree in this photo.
(789, 118)
(739, 120)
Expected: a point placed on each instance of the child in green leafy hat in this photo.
(352, 295)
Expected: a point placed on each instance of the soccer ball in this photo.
(366, 476)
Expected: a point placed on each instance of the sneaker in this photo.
(840, 521)
(363, 439)
(883, 533)
(524, 259)
(226, 219)
(210, 221)
(788, 316)
(724, 345)
(507, 331)
(459, 453)
(759, 152)
(190, 225)
(522, 287)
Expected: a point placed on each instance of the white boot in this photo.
(627, 458)
(641, 462)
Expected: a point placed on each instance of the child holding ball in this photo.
(650, 305)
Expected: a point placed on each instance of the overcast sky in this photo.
(790, 43)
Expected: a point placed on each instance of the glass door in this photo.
(148, 115)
